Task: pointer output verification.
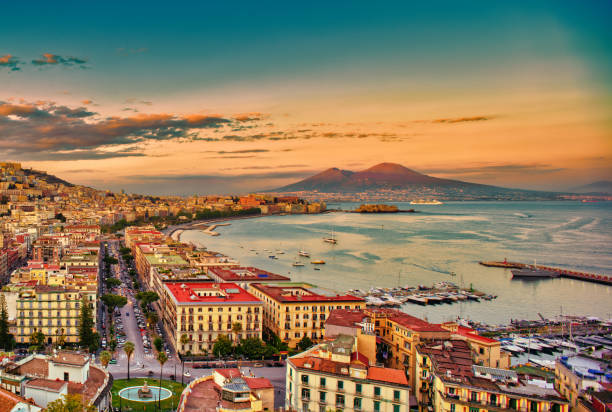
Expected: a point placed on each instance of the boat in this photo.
(425, 202)
(280, 252)
(303, 253)
(272, 257)
(318, 262)
(296, 263)
(532, 272)
(316, 268)
(331, 239)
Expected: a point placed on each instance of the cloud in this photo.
(132, 100)
(47, 127)
(80, 155)
(462, 119)
(185, 177)
(243, 151)
(249, 117)
(50, 59)
(495, 170)
(10, 62)
(87, 102)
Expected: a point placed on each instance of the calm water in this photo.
(413, 249)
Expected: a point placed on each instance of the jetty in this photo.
(210, 230)
(564, 273)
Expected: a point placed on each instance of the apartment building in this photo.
(150, 255)
(142, 234)
(448, 380)
(580, 375)
(485, 351)
(335, 376)
(52, 310)
(293, 311)
(204, 310)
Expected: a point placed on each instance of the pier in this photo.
(564, 273)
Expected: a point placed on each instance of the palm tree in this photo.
(184, 341)
(161, 358)
(236, 329)
(128, 348)
(105, 358)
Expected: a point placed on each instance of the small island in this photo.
(370, 208)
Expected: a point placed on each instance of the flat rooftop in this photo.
(193, 293)
(299, 293)
(245, 274)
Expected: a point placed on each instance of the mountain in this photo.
(602, 186)
(382, 176)
(396, 182)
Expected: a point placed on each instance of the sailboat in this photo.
(331, 239)
(303, 253)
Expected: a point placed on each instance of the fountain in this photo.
(145, 393)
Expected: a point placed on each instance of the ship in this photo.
(425, 202)
(532, 272)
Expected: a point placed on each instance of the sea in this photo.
(440, 243)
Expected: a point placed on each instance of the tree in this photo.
(223, 346)
(109, 260)
(105, 357)
(128, 348)
(86, 324)
(113, 301)
(37, 341)
(251, 348)
(161, 358)
(236, 329)
(184, 341)
(60, 217)
(152, 318)
(70, 403)
(304, 343)
(7, 340)
(113, 344)
(158, 343)
(147, 297)
(112, 282)
(95, 343)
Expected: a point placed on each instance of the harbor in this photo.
(542, 271)
(439, 293)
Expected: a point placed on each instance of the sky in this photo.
(233, 97)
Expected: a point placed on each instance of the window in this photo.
(452, 407)
(358, 387)
(66, 376)
(396, 396)
(376, 406)
(306, 394)
(533, 406)
(322, 396)
(396, 408)
(305, 379)
(339, 400)
(340, 385)
(474, 396)
(474, 409)
(481, 351)
(322, 383)
(357, 403)
(377, 391)
(512, 403)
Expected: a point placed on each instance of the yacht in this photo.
(331, 239)
(303, 253)
(297, 263)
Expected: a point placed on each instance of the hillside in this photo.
(47, 177)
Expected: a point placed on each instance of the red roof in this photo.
(357, 357)
(387, 375)
(229, 372)
(346, 317)
(472, 334)
(194, 293)
(258, 383)
(301, 294)
(409, 321)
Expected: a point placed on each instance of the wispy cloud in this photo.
(132, 100)
(488, 170)
(10, 62)
(50, 59)
(458, 119)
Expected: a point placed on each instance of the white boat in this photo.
(280, 252)
(513, 348)
(303, 253)
(296, 263)
(331, 239)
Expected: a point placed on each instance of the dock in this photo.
(564, 273)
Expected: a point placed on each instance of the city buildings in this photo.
(295, 311)
(45, 378)
(336, 376)
(579, 376)
(227, 390)
(202, 311)
(446, 379)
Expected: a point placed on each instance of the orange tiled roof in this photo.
(387, 375)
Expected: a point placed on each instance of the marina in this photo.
(441, 292)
